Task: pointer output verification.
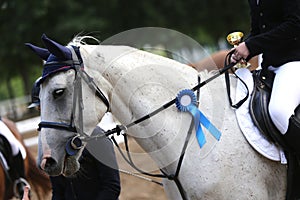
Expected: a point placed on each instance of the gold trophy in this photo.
(234, 39)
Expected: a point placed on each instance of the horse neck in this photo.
(140, 83)
(94, 107)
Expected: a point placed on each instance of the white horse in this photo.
(136, 83)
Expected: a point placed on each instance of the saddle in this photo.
(263, 82)
(6, 151)
(14, 175)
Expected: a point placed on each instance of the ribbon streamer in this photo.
(186, 102)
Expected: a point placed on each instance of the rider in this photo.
(275, 32)
(95, 180)
(35, 91)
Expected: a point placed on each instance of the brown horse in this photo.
(38, 181)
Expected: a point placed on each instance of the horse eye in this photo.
(58, 92)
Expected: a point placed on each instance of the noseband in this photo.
(77, 64)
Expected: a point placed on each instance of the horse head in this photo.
(63, 109)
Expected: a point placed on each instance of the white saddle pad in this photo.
(16, 146)
(4, 162)
(257, 140)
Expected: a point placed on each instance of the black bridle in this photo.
(77, 64)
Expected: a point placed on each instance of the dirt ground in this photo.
(132, 187)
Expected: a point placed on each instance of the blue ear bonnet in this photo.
(55, 64)
(58, 57)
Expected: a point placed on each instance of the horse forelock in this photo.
(82, 40)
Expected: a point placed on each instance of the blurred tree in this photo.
(18, 21)
(25, 21)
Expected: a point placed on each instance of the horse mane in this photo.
(37, 178)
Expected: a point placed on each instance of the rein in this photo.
(227, 82)
(173, 177)
(168, 104)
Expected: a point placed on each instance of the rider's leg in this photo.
(292, 136)
(284, 100)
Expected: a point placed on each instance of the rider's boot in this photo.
(292, 136)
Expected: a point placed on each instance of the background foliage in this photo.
(25, 21)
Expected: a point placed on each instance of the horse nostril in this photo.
(47, 163)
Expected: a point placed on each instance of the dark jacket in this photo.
(275, 31)
(95, 180)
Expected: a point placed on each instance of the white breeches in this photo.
(285, 95)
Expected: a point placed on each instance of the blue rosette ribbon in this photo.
(186, 101)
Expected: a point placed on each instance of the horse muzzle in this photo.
(66, 162)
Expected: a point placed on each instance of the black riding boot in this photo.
(292, 138)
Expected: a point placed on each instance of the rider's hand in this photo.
(26, 193)
(240, 52)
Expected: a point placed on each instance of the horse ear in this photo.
(41, 52)
(60, 51)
